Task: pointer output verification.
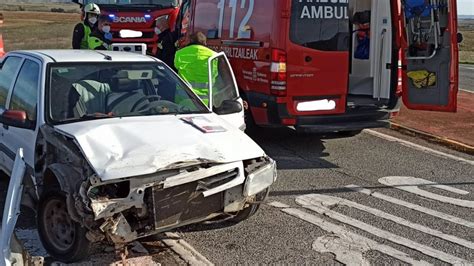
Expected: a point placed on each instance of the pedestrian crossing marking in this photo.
(315, 203)
(330, 201)
(411, 184)
(406, 204)
(350, 253)
(350, 247)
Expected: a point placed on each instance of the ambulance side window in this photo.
(320, 25)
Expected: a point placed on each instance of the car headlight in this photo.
(260, 179)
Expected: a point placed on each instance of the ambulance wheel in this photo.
(63, 238)
(350, 133)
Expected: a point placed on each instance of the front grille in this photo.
(180, 204)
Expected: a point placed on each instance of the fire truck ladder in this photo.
(424, 31)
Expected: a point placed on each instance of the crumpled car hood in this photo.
(125, 147)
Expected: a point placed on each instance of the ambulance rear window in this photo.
(320, 24)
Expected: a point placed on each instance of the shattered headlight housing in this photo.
(261, 178)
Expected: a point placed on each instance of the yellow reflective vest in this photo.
(87, 34)
(192, 65)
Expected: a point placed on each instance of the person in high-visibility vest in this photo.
(192, 65)
(83, 30)
(100, 38)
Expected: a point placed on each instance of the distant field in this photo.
(466, 54)
(37, 30)
(45, 7)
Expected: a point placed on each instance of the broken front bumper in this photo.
(153, 204)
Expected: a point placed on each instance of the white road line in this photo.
(414, 181)
(467, 91)
(444, 216)
(410, 184)
(384, 234)
(418, 147)
(348, 247)
(467, 67)
(330, 201)
(190, 255)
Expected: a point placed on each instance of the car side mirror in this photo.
(229, 107)
(15, 118)
(460, 37)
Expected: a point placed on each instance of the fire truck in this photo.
(333, 65)
(133, 21)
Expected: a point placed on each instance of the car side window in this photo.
(25, 91)
(7, 74)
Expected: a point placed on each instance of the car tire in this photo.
(250, 210)
(250, 126)
(244, 214)
(63, 238)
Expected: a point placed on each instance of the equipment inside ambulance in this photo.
(337, 65)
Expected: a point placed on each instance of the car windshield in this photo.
(84, 91)
(162, 3)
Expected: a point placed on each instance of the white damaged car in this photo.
(117, 147)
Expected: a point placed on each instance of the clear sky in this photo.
(466, 7)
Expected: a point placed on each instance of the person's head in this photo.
(198, 38)
(104, 24)
(91, 13)
(162, 24)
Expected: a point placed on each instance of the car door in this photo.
(24, 97)
(429, 45)
(11, 211)
(225, 100)
(8, 71)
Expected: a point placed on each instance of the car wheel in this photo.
(244, 214)
(63, 238)
(250, 126)
(250, 210)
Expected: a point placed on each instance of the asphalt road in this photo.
(466, 77)
(316, 226)
(312, 167)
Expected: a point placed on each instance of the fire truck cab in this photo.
(333, 65)
(133, 21)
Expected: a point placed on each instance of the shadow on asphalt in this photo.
(294, 150)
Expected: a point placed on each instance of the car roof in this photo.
(64, 56)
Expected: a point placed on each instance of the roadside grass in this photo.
(466, 48)
(37, 30)
(41, 7)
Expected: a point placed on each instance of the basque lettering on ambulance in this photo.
(324, 9)
(244, 53)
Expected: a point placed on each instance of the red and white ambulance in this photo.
(333, 65)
